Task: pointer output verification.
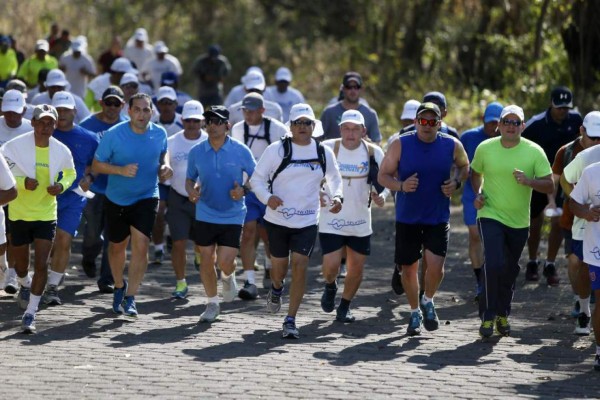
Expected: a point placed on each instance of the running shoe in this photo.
(503, 326)
(28, 323)
(51, 297)
(397, 281)
(531, 273)
(181, 290)
(486, 329)
(551, 276)
(248, 292)
(414, 325)
(328, 297)
(159, 256)
(118, 298)
(230, 289)
(430, 319)
(130, 309)
(23, 297)
(582, 327)
(11, 285)
(344, 316)
(289, 330)
(274, 301)
(211, 313)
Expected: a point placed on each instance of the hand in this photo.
(55, 189)
(31, 184)
(449, 187)
(336, 205)
(521, 178)
(324, 198)
(274, 202)
(378, 199)
(410, 184)
(593, 214)
(479, 201)
(194, 193)
(164, 173)
(237, 193)
(85, 183)
(130, 170)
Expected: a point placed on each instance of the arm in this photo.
(164, 169)
(566, 186)
(6, 196)
(461, 172)
(99, 167)
(584, 211)
(476, 184)
(545, 184)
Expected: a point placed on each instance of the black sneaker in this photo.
(531, 274)
(397, 281)
(582, 327)
(328, 298)
(248, 292)
(486, 329)
(89, 268)
(551, 275)
(344, 316)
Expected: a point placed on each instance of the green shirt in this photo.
(505, 200)
(31, 67)
(8, 64)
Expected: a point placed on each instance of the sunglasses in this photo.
(167, 102)
(112, 103)
(352, 87)
(215, 121)
(130, 86)
(513, 122)
(425, 121)
(301, 123)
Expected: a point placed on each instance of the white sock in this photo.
(584, 306)
(3, 265)
(158, 247)
(54, 278)
(34, 302)
(223, 276)
(214, 299)
(181, 281)
(250, 276)
(415, 310)
(267, 263)
(426, 300)
(26, 281)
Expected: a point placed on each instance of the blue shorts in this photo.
(70, 209)
(255, 210)
(469, 212)
(163, 192)
(595, 277)
(577, 248)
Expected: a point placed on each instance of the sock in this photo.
(181, 281)
(3, 265)
(415, 310)
(54, 278)
(344, 304)
(584, 306)
(158, 247)
(251, 276)
(223, 276)
(34, 302)
(477, 272)
(276, 291)
(332, 285)
(289, 319)
(214, 299)
(267, 263)
(25, 282)
(426, 300)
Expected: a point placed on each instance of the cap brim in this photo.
(304, 116)
(114, 96)
(208, 114)
(562, 105)
(12, 109)
(46, 114)
(194, 116)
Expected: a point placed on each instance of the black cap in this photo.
(352, 76)
(561, 96)
(113, 91)
(220, 112)
(429, 106)
(436, 98)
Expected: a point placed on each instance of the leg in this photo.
(555, 238)
(61, 251)
(514, 240)
(279, 270)
(492, 237)
(208, 275)
(139, 260)
(535, 234)
(434, 273)
(475, 248)
(158, 232)
(178, 258)
(248, 245)
(92, 234)
(21, 259)
(42, 250)
(331, 265)
(410, 282)
(117, 254)
(226, 259)
(355, 262)
(298, 285)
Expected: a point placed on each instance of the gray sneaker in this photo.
(248, 292)
(23, 297)
(211, 313)
(51, 296)
(289, 330)
(11, 285)
(230, 289)
(273, 302)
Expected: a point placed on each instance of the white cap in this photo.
(63, 99)
(301, 110)
(160, 47)
(122, 64)
(56, 77)
(283, 74)
(410, 109)
(250, 69)
(352, 116)
(42, 44)
(166, 92)
(14, 101)
(192, 109)
(254, 80)
(591, 122)
(513, 109)
(141, 34)
(76, 45)
(129, 78)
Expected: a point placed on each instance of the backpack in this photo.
(247, 134)
(287, 159)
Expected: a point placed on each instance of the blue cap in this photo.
(436, 98)
(168, 78)
(492, 112)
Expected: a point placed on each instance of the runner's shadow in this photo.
(469, 354)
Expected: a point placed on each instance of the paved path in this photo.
(83, 351)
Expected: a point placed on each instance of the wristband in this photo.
(458, 183)
(340, 198)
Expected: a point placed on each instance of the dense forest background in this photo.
(474, 51)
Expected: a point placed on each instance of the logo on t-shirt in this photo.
(290, 212)
(338, 224)
(596, 253)
(360, 168)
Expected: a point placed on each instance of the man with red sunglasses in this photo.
(418, 166)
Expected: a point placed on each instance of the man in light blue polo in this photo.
(214, 181)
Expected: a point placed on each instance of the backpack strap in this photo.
(286, 142)
(336, 147)
(267, 136)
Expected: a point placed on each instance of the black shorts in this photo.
(331, 242)
(208, 234)
(6, 220)
(25, 232)
(282, 240)
(181, 215)
(411, 238)
(120, 219)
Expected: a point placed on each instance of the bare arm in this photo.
(585, 211)
(566, 186)
(545, 184)
(99, 167)
(476, 183)
(389, 167)
(6, 196)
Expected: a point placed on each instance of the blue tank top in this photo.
(432, 163)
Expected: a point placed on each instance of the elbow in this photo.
(95, 167)
(12, 194)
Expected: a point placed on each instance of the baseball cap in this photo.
(254, 80)
(561, 96)
(214, 50)
(14, 101)
(253, 101)
(166, 92)
(160, 47)
(56, 77)
(45, 110)
(429, 106)
(113, 91)
(591, 122)
(129, 78)
(437, 98)
(410, 109)
(122, 65)
(492, 112)
(251, 69)
(76, 45)
(301, 110)
(17, 84)
(513, 109)
(63, 99)
(168, 78)
(192, 109)
(141, 34)
(283, 74)
(42, 44)
(352, 76)
(4, 39)
(220, 112)
(352, 116)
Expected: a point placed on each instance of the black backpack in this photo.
(248, 136)
(287, 159)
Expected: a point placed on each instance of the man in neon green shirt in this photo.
(8, 61)
(505, 171)
(40, 60)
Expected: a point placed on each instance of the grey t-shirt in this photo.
(333, 114)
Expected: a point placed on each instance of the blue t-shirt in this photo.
(82, 144)
(92, 123)
(432, 162)
(217, 171)
(121, 146)
(470, 140)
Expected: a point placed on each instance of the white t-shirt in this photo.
(138, 55)
(285, 100)
(587, 191)
(272, 110)
(298, 185)
(81, 110)
(572, 173)
(154, 68)
(256, 144)
(7, 133)
(178, 149)
(73, 66)
(7, 181)
(355, 217)
(236, 94)
(171, 128)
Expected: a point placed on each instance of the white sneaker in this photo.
(582, 327)
(211, 313)
(230, 289)
(11, 286)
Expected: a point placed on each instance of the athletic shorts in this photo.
(208, 234)
(568, 236)
(411, 238)
(181, 214)
(6, 220)
(163, 192)
(577, 248)
(25, 232)
(120, 219)
(331, 242)
(282, 240)
(469, 212)
(255, 210)
(595, 277)
(70, 209)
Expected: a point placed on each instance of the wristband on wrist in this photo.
(458, 183)
(402, 187)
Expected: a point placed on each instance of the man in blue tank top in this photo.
(418, 168)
